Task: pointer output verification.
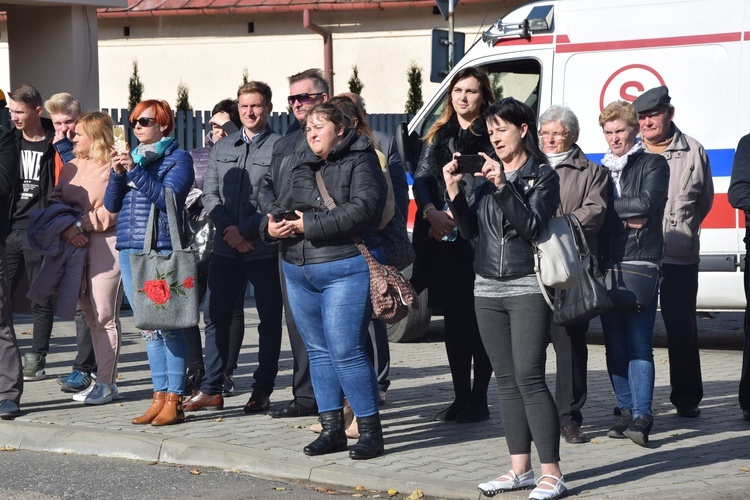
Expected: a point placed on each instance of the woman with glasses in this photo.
(327, 278)
(503, 218)
(632, 233)
(443, 263)
(137, 181)
(583, 193)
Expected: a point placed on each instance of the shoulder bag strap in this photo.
(174, 226)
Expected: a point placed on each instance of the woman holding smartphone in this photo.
(444, 257)
(503, 218)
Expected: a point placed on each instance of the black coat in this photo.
(354, 180)
(445, 267)
(644, 184)
(503, 223)
(8, 176)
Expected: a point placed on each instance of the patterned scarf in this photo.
(615, 164)
(144, 154)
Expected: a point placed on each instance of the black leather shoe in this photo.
(573, 435)
(258, 402)
(292, 410)
(746, 415)
(688, 411)
(451, 413)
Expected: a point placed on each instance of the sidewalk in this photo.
(707, 457)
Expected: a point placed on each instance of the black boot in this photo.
(370, 443)
(333, 436)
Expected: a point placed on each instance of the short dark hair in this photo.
(513, 111)
(27, 95)
(314, 75)
(256, 87)
(228, 106)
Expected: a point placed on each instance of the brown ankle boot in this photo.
(156, 406)
(172, 412)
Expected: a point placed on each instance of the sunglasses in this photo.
(143, 122)
(303, 98)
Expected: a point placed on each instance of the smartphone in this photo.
(289, 215)
(120, 142)
(470, 164)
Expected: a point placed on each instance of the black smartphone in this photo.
(290, 215)
(470, 164)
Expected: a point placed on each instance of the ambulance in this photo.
(585, 54)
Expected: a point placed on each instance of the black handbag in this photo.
(397, 247)
(201, 237)
(631, 286)
(589, 298)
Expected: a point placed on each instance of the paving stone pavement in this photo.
(707, 457)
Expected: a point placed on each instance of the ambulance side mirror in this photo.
(409, 146)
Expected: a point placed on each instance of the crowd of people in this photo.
(287, 213)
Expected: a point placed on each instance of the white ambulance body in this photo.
(596, 51)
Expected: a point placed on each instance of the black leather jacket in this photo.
(644, 182)
(356, 183)
(502, 223)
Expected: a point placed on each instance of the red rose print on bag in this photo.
(160, 290)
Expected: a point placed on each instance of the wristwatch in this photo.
(79, 227)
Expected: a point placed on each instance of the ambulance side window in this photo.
(517, 78)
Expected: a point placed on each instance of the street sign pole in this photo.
(451, 41)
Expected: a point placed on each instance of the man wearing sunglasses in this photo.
(306, 89)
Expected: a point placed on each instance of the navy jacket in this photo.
(131, 195)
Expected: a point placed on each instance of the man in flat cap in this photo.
(690, 196)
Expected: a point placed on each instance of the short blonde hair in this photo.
(62, 103)
(619, 110)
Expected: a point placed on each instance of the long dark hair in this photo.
(488, 97)
(516, 112)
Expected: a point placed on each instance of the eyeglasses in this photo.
(555, 135)
(143, 122)
(303, 98)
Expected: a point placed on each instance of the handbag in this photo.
(587, 299)
(201, 237)
(391, 294)
(556, 255)
(165, 295)
(631, 287)
(397, 246)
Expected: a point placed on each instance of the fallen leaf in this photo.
(118, 404)
(8, 448)
(360, 488)
(595, 441)
(218, 419)
(323, 489)
(744, 469)
(299, 427)
(195, 472)
(392, 492)
(279, 488)
(415, 495)
(357, 495)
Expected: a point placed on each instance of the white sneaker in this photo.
(559, 488)
(507, 482)
(81, 396)
(99, 395)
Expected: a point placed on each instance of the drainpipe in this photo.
(327, 47)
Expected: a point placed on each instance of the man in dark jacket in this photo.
(306, 89)
(230, 197)
(36, 181)
(739, 197)
(11, 375)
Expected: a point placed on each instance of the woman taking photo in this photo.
(81, 185)
(504, 217)
(443, 263)
(632, 233)
(138, 179)
(326, 275)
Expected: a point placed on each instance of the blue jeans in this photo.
(167, 350)
(330, 303)
(629, 349)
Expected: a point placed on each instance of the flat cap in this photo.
(652, 99)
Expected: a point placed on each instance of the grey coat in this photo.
(230, 191)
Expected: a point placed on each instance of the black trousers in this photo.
(11, 373)
(745, 377)
(678, 292)
(463, 345)
(85, 360)
(378, 350)
(571, 378)
(20, 256)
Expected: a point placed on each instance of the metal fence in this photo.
(191, 127)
